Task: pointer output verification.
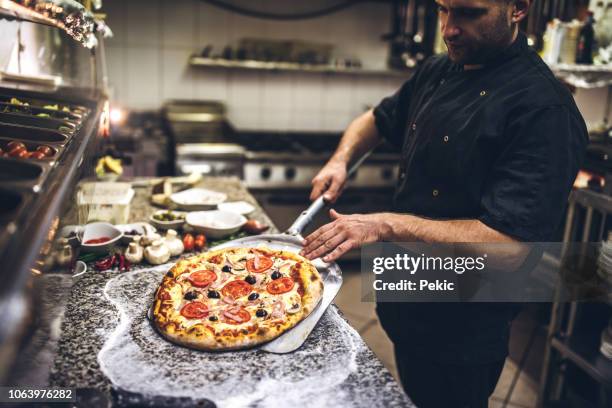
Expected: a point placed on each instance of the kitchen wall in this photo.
(148, 56)
(153, 40)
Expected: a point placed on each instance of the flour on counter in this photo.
(137, 359)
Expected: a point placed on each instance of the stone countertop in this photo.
(108, 344)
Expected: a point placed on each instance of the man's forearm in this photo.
(407, 228)
(360, 137)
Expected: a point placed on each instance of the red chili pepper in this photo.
(121, 263)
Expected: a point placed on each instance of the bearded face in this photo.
(475, 30)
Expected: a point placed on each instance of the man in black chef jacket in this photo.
(490, 145)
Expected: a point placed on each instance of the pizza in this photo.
(235, 298)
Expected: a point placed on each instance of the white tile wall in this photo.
(153, 39)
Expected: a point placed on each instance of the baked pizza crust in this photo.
(213, 336)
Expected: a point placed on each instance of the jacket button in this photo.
(435, 193)
(445, 138)
(414, 126)
(442, 81)
(402, 175)
(483, 93)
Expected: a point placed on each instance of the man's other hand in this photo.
(344, 233)
(329, 181)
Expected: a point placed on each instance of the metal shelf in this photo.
(196, 61)
(584, 352)
(584, 76)
(11, 10)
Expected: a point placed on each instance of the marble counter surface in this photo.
(108, 344)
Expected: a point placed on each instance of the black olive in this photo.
(276, 275)
(261, 313)
(213, 318)
(253, 296)
(191, 295)
(250, 279)
(169, 274)
(226, 268)
(213, 294)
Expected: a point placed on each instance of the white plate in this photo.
(198, 199)
(215, 224)
(238, 207)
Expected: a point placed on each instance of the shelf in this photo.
(196, 61)
(584, 76)
(584, 352)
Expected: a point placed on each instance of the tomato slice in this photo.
(264, 264)
(242, 316)
(194, 310)
(280, 285)
(202, 278)
(236, 289)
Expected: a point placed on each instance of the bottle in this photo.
(586, 39)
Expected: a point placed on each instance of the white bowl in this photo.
(215, 224)
(238, 207)
(198, 199)
(142, 228)
(166, 225)
(98, 230)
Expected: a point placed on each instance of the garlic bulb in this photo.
(134, 253)
(157, 253)
(174, 244)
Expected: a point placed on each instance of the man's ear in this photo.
(520, 8)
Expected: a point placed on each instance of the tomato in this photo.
(46, 150)
(194, 310)
(281, 285)
(200, 241)
(265, 263)
(164, 295)
(37, 155)
(236, 289)
(188, 242)
(13, 144)
(202, 278)
(18, 151)
(242, 316)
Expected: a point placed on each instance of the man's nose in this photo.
(450, 30)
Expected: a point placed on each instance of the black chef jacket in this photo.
(501, 144)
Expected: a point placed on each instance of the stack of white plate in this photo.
(606, 341)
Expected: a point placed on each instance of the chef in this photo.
(490, 145)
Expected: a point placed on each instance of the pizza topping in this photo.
(251, 279)
(281, 285)
(213, 318)
(226, 268)
(261, 313)
(259, 264)
(194, 310)
(213, 294)
(285, 268)
(164, 295)
(253, 296)
(228, 300)
(276, 275)
(191, 295)
(202, 278)
(236, 289)
(236, 317)
(296, 307)
(278, 310)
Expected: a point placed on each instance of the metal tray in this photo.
(34, 110)
(62, 126)
(40, 103)
(19, 174)
(32, 134)
(32, 146)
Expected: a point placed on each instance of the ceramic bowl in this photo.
(238, 207)
(166, 225)
(197, 199)
(99, 230)
(215, 224)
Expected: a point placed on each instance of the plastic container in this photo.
(106, 202)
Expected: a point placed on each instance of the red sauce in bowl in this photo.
(97, 241)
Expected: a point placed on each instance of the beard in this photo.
(493, 39)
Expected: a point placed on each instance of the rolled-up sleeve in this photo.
(526, 192)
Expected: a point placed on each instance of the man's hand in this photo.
(344, 233)
(329, 181)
